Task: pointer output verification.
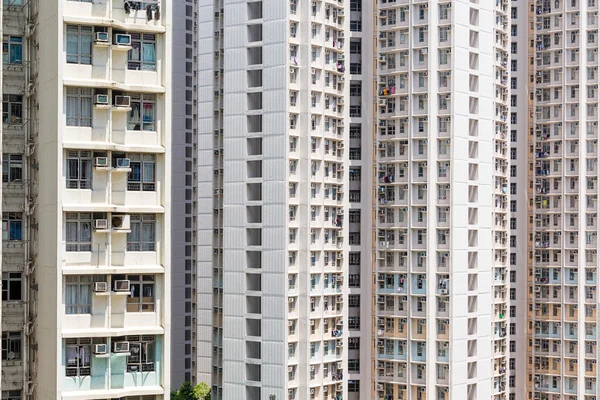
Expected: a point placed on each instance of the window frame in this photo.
(141, 283)
(138, 104)
(141, 39)
(84, 100)
(12, 220)
(7, 287)
(83, 225)
(82, 32)
(81, 284)
(10, 42)
(84, 160)
(12, 107)
(10, 341)
(139, 361)
(12, 163)
(80, 367)
(141, 245)
(138, 164)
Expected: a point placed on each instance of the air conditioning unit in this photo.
(120, 222)
(101, 37)
(101, 162)
(340, 365)
(312, 390)
(122, 286)
(100, 224)
(100, 287)
(100, 348)
(123, 163)
(121, 347)
(122, 39)
(122, 101)
(101, 99)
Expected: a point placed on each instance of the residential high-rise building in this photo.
(563, 292)
(86, 210)
(441, 278)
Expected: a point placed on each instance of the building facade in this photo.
(86, 199)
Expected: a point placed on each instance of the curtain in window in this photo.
(133, 237)
(71, 299)
(148, 238)
(134, 116)
(84, 356)
(148, 112)
(149, 56)
(136, 172)
(15, 230)
(85, 236)
(72, 47)
(85, 299)
(72, 356)
(86, 111)
(86, 49)
(16, 51)
(72, 235)
(149, 172)
(72, 111)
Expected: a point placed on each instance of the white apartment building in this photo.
(441, 265)
(86, 203)
(283, 232)
(565, 204)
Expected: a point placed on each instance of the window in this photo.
(78, 293)
(141, 298)
(143, 112)
(354, 366)
(143, 54)
(355, 26)
(354, 343)
(353, 386)
(11, 394)
(355, 46)
(79, 106)
(79, 44)
(143, 233)
(79, 169)
(12, 109)
(12, 3)
(12, 50)
(11, 346)
(142, 352)
(78, 231)
(79, 359)
(143, 172)
(12, 286)
(12, 168)
(12, 226)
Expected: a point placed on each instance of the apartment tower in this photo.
(563, 295)
(283, 191)
(86, 201)
(440, 265)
